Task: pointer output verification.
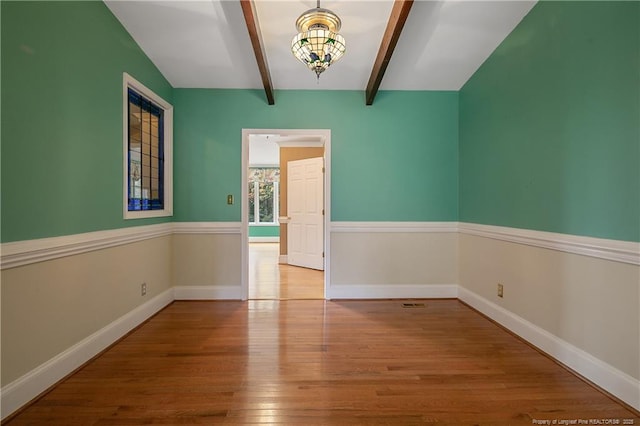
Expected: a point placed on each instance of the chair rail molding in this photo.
(20, 253)
(616, 250)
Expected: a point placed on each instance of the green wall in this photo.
(394, 161)
(264, 231)
(62, 65)
(549, 125)
(548, 130)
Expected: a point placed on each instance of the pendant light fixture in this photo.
(318, 44)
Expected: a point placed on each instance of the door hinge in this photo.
(323, 170)
(322, 212)
(322, 254)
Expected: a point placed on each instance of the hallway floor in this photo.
(272, 281)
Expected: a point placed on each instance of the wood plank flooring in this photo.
(316, 362)
(270, 280)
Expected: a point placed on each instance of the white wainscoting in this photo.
(24, 253)
(21, 253)
(539, 269)
(393, 260)
(21, 391)
(604, 375)
(208, 263)
(602, 248)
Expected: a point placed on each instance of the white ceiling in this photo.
(264, 150)
(205, 43)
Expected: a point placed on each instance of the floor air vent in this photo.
(413, 305)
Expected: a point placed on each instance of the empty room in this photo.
(446, 229)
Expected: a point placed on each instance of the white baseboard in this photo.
(21, 391)
(227, 292)
(393, 291)
(609, 378)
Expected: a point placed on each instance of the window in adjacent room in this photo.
(263, 195)
(147, 152)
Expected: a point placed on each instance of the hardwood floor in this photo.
(270, 280)
(316, 362)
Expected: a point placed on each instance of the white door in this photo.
(305, 200)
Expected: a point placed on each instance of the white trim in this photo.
(357, 227)
(21, 391)
(283, 259)
(393, 291)
(326, 138)
(207, 227)
(24, 389)
(599, 372)
(264, 239)
(129, 82)
(618, 251)
(226, 292)
(602, 248)
(20, 253)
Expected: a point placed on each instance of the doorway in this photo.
(267, 272)
(271, 280)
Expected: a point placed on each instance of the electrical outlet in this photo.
(500, 290)
(143, 289)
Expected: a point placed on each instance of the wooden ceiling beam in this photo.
(253, 27)
(398, 17)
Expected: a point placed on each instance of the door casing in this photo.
(291, 135)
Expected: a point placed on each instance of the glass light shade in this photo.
(318, 48)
